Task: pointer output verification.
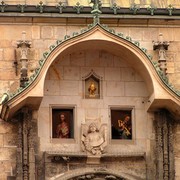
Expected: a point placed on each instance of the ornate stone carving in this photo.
(25, 147)
(19, 152)
(23, 45)
(94, 139)
(162, 46)
(164, 148)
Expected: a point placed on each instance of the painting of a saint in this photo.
(62, 130)
(121, 124)
(62, 123)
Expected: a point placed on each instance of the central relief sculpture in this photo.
(94, 138)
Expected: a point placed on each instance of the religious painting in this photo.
(62, 123)
(121, 124)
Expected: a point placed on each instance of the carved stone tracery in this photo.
(164, 148)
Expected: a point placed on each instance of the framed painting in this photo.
(63, 123)
(121, 124)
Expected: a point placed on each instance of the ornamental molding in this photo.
(77, 8)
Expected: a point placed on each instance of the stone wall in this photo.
(8, 142)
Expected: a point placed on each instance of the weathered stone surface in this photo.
(9, 54)
(135, 89)
(77, 58)
(118, 62)
(1, 54)
(16, 34)
(1, 140)
(69, 88)
(35, 32)
(46, 32)
(59, 32)
(7, 154)
(106, 59)
(150, 34)
(39, 43)
(112, 74)
(115, 88)
(136, 33)
(128, 74)
(52, 87)
(71, 73)
(56, 72)
(10, 140)
(7, 127)
(92, 59)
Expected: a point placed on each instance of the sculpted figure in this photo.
(94, 141)
(92, 89)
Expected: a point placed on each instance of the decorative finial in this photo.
(96, 10)
(170, 9)
(134, 7)
(3, 5)
(40, 6)
(22, 7)
(78, 7)
(60, 6)
(115, 8)
(151, 8)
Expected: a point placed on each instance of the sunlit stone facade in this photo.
(47, 70)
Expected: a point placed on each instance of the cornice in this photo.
(62, 9)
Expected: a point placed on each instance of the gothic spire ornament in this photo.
(161, 46)
(96, 10)
(24, 45)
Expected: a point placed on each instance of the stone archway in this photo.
(94, 174)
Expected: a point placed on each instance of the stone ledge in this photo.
(83, 154)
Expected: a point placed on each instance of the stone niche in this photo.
(92, 86)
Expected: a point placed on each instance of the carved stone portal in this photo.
(94, 138)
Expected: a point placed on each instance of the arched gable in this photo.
(94, 37)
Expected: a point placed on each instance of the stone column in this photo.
(25, 149)
(164, 148)
(31, 150)
(19, 163)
